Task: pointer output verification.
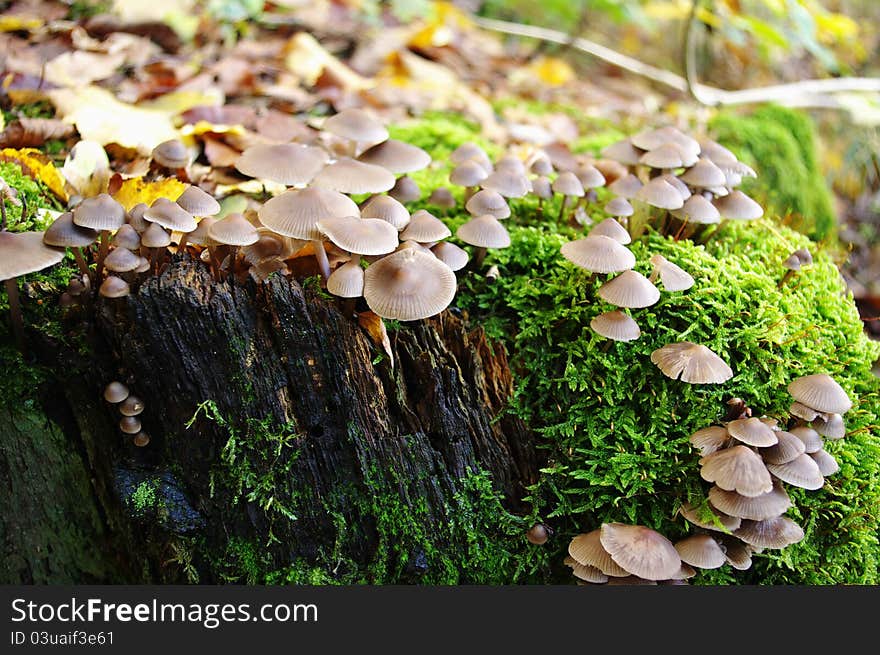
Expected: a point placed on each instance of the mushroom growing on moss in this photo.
(641, 551)
(483, 232)
(694, 363)
(64, 233)
(408, 285)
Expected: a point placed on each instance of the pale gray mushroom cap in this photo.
(590, 176)
(703, 174)
(801, 472)
(739, 469)
(710, 439)
(198, 202)
(622, 151)
(64, 233)
(585, 572)
(599, 254)
(450, 254)
(233, 230)
(629, 289)
(424, 227)
(812, 440)
(102, 212)
(388, 209)
(660, 193)
(756, 508)
(568, 184)
(695, 363)
(701, 551)
(155, 236)
(296, 212)
(826, 463)
(127, 237)
(509, 184)
(752, 432)
(616, 325)
(409, 285)
(360, 236)
(348, 175)
(291, 164)
(172, 154)
(680, 186)
(487, 201)
(396, 156)
(640, 550)
(114, 287)
(668, 155)
(24, 252)
(170, 215)
(738, 206)
(347, 281)
(356, 125)
(620, 207)
(820, 392)
(587, 549)
(121, 260)
(542, 187)
(787, 447)
(405, 189)
(649, 139)
(710, 519)
(774, 533)
(468, 173)
(830, 426)
(672, 276)
(626, 187)
(484, 231)
(699, 210)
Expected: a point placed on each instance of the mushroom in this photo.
(777, 532)
(697, 210)
(826, 463)
(737, 553)
(121, 260)
(652, 138)
(587, 550)
(629, 289)
(821, 393)
(424, 227)
(64, 233)
(405, 190)
(622, 151)
(616, 325)
(660, 193)
(470, 150)
(710, 439)
(812, 440)
(396, 157)
(442, 197)
(450, 254)
(235, 231)
(696, 363)
(640, 550)
(291, 164)
(737, 468)
(599, 254)
(704, 174)
(542, 188)
(487, 201)
(171, 216)
(510, 184)
(802, 411)
(585, 572)
(130, 424)
(673, 277)
(568, 186)
(173, 155)
(537, 534)
(626, 187)
(787, 447)
(198, 202)
(709, 518)
(756, 508)
(357, 126)
(155, 239)
(752, 432)
(104, 214)
(348, 175)
(738, 206)
(131, 406)
(141, 439)
(468, 174)
(115, 392)
(483, 232)
(126, 237)
(620, 208)
(296, 212)
(701, 551)
(388, 209)
(408, 285)
(801, 472)
(114, 287)
(830, 426)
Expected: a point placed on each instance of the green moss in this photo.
(780, 144)
(36, 196)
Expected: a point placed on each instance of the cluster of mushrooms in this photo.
(130, 408)
(749, 460)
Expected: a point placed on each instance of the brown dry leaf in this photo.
(78, 67)
(309, 61)
(375, 327)
(220, 154)
(33, 132)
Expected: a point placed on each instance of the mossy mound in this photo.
(780, 143)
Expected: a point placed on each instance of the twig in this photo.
(806, 93)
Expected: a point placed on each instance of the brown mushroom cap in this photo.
(660, 193)
(702, 551)
(619, 207)
(121, 260)
(155, 236)
(673, 277)
(347, 281)
(409, 285)
(141, 439)
(130, 424)
(356, 125)
(777, 532)
(626, 187)
(131, 406)
(831, 426)
(296, 212)
(172, 154)
(629, 289)
(348, 175)
(424, 227)
(640, 550)
(396, 156)
(450, 254)
(587, 549)
(699, 210)
(737, 469)
(738, 206)
(820, 392)
(64, 233)
(233, 230)
(484, 231)
(710, 518)
(568, 184)
(360, 236)
(198, 202)
(405, 190)
(703, 174)
(788, 447)
(616, 325)
(694, 362)
(114, 287)
(752, 432)
(115, 392)
(801, 472)
(170, 215)
(24, 252)
(599, 254)
(388, 209)
(127, 237)
(622, 151)
(710, 439)
(757, 508)
(812, 440)
(826, 462)
(537, 534)
(487, 201)
(585, 572)
(101, 212)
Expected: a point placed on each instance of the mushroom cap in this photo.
(348, 175)
(541, 165)
(737, 469)
(360, 236)
(24, 252)
(599, 254)
(131, 406)
(585, 572)
(127, 237)
(622, 151)
(388, 209)
(738, 206)
(542, 187)
(405, 189)
(468, 173)
(509, 184)
(487, 201)
(703, 174)
(737, 553)
(629, 289)
(699, 210)
(442, 197)
(812, 440)
(511, 163)
(694, 362)
(356, 125)
(396, 156)
(484, 231)
(626, 187)
(590, 176)
(121, 260)
(424, 227)
(678, 184)
(347, 281)
(199, 236)
(611, 229)
(114, 287)
(801, 472)
(450, 254)
(568, 184)
(469, 150)
(198, 202)
(831, 426)
(716, 153)
(756, 508)
(710, 519)
(804, 255)
(710, 439)
(792, 262)
(673, 277)
(660, 193)
(649, 139)
(102, 212)
(787, 448)
(296, 212)
(802, 411)
(291, 164)
(143, 266)
(587, 549)
(537, 534)
(115, 392)
(616, 325)
(701, 550)
(172, 154)
(826, 463)
(640, 550)
(141, 439)
(135, 217)
(620, 207)
(409, 285)
(777, 532)
(233, 230)
(821, 393)
(752, 432)
(170, 215)
(130, 424)
(668, 155)
(155, 236)
(64, 233)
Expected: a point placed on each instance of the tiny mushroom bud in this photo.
(141, 439)
(115, 392)
(537, 534)
(131, 406)
(114, 287)
(130, 424)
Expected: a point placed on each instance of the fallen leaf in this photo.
(20, 23)
(178, 102)
(33, 132)
(79, 67)
(86, 169)
(36, 165)
(375, 328)
(137, 189)
(220, 154)
(307, 59)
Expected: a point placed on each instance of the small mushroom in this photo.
(640, 550)
(483, 232)
(826, 463)
(537, 534)
(409, 285)
(450, 254)
(115, 392)
(388, 209)
(616, 325)
(131, 406)
(468, 174)
(64, 233)
(291, 164)
(672, 276)
(130, 424)
(629, 289)
(104, 214)
(739, 469)
(801, 472)
(114, 287)
(701, 551)
(348, 175)
(568, 185)
(777, 532)
(756, 508)
(821, 393)
(357, 126)
(396, 157)
(830, 426)
(710, 439)
(487, 201)
(599, 254)
(141, 439)
(424, 227)
(787, 447)
(812, 440)
(586, 549)
(405, 190)
(442, 197)
(695, 363)
(709, 518)
(752, 432)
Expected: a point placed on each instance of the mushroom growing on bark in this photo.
(103, 214)
(408, 285)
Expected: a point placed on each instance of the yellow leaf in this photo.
(16, 23)
(831, 27)
(87, 169)
(36, 164)
(251, 186)
(200, 128)
(137, 189)
(551, 70)
(307, 59)
(178, 102)
(98, 116)
(375, 327)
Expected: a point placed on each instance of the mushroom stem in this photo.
(562, 208)
(81, 261)
(15, 312)
(321, 258)
(103, 249)
(469, 192)
(181, 247)
(785, 278)
(479, 256)
(541, 205)
(233, 254)
(154, 259)
(349, 305)
(2, 215)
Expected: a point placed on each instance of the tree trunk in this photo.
(283, 444)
